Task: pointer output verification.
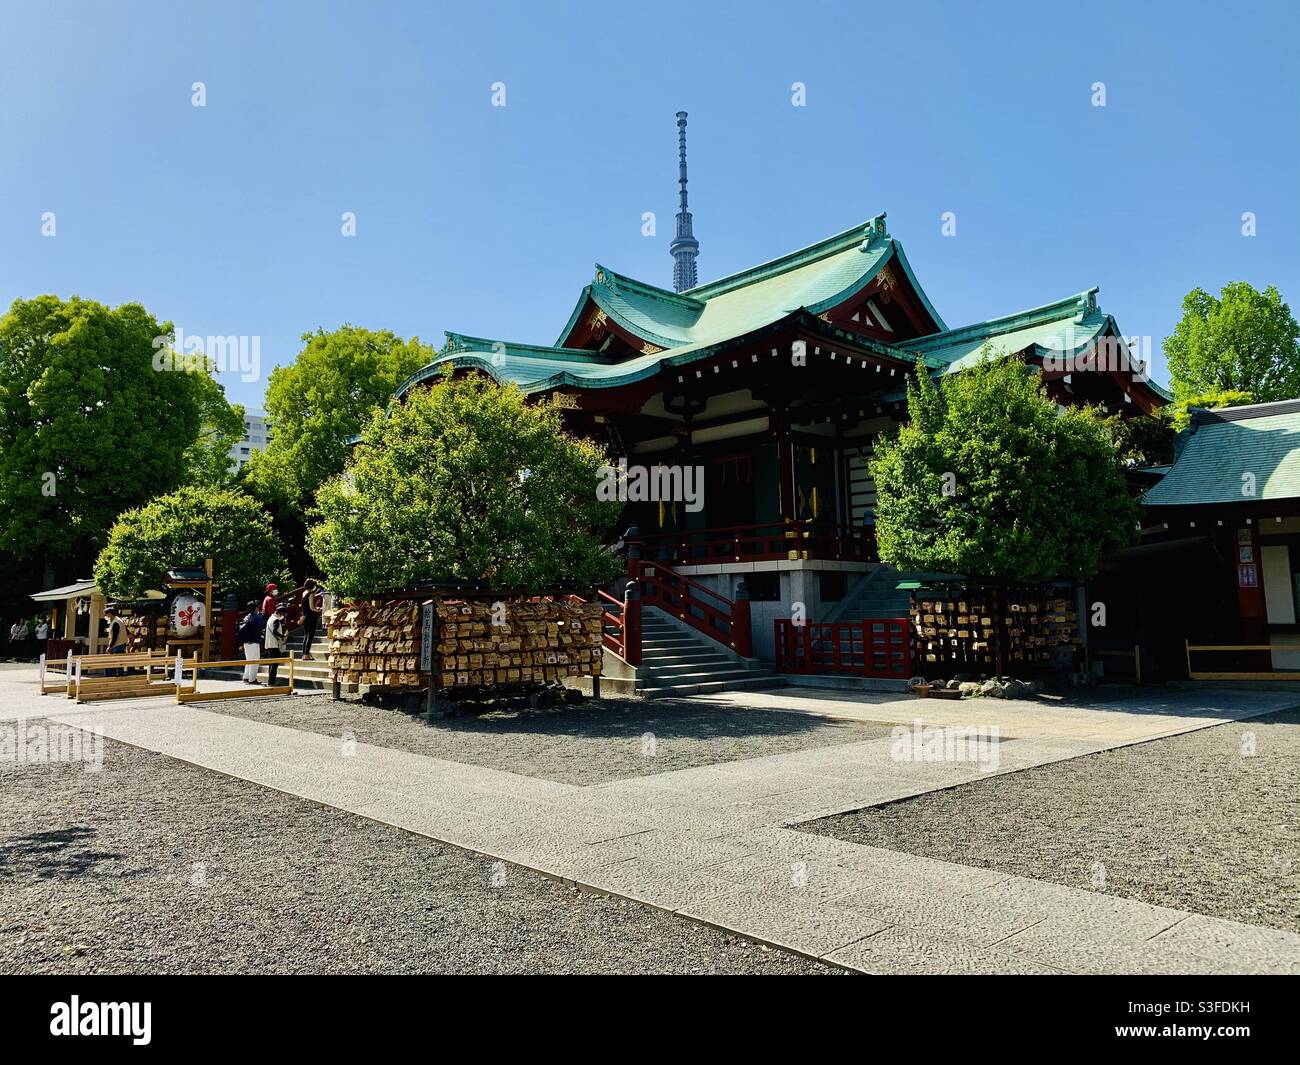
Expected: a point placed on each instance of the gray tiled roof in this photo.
(1236, 455)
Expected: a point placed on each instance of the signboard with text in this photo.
(428, 623)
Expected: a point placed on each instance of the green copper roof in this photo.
(817, 277)
(695, 324)
(1236, 455)
(536, 368)
(1063, 327)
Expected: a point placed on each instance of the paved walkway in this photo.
(711, 843)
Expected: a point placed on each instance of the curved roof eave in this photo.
(895, 253)
(601, 299)
(583, 296)
(464, 360)
(916, 286)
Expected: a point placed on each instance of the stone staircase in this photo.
(313, 674)
(677, 662)
(879, 595)
(306, 675)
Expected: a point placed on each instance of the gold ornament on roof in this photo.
(650, 349)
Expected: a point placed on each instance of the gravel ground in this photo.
(586, 743)
(1190, 822)
(151, 865)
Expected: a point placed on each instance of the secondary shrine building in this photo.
(777, 381)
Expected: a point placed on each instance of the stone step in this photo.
(667, 658)
(710, 687)
(672, 643)
(308, 681)
(699, 676)
(718, 668)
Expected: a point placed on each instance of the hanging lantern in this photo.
(187, 615)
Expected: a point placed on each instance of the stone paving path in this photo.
(711, 843)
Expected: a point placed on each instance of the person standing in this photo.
(313, 604)
(23, 651)
(42, 635)
(277, 632)
(250, 633)
(116, 636)
(13, 641)
(268, 603)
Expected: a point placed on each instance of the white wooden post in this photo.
(42, 672)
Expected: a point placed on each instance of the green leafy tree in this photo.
(465, 481)
(221, 427)
(88, 425)
(184, 528)
(1178, 413)
(327, 395)
(1243, 341)
(988, 480)
(1141, 439)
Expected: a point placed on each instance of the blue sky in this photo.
(488, 220)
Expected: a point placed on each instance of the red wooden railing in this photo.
(292, 602)
(765, 541)
(876, 647)
(620, 627)
(718, 617)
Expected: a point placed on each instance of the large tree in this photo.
(315, 404)
(465, 480)
(1179, 413)
(89, 426)
(988, 480)
(1243, 341)
(221, 427)
(182, 529)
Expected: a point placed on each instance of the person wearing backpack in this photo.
(249, 633)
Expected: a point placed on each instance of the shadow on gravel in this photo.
(60, 854)
(624, 719)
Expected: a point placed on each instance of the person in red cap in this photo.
(268, 604)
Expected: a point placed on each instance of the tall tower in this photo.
(684, 247)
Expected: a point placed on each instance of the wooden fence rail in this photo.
(193, 695)
(1241, 675)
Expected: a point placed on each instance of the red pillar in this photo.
(1252, 609)
(632, 624)
(632, 599)
(229, 622)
